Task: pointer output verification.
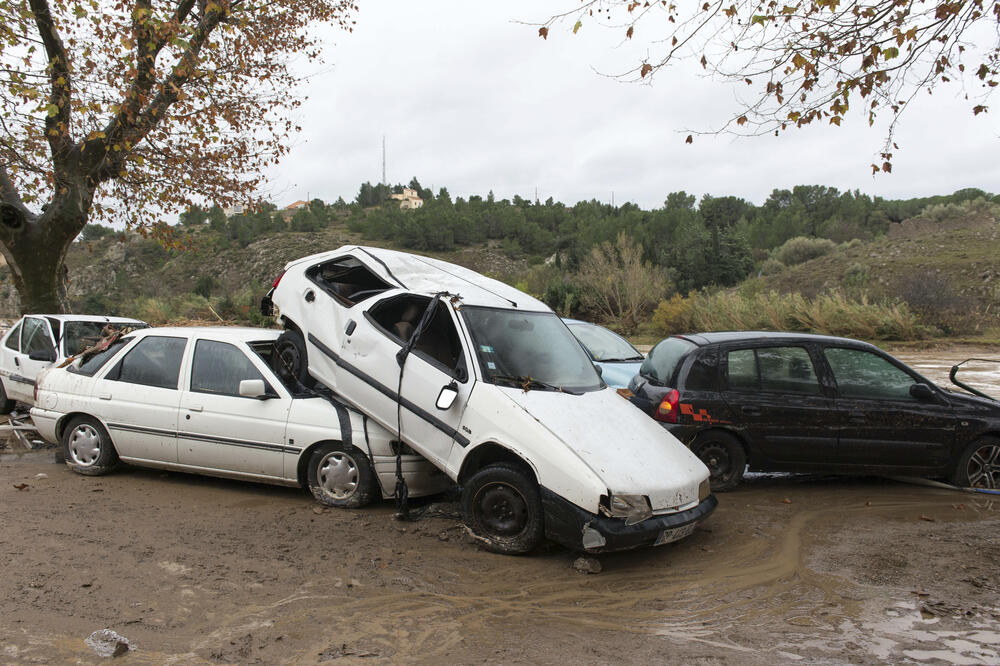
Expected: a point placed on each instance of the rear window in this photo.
(662, 363)
(90, 366)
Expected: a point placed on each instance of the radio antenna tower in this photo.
(383, 159)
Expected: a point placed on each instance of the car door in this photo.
(137, 398)
(8, 351)
(881, 423)
(776, 398)
(36, 337)
(219, 429)
(369, 372)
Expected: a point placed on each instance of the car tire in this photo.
(501, 505)
(341, 476)
(290, 360)
(6, 404)
(724, 456)
(979, 465)
(87, 447)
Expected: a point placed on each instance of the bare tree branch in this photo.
(57, 121)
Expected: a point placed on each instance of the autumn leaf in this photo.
(690, 139)
(645, 69)
(628, 33)
(976, 110)
(742, 120)
(577, 26)
(543, 32)
(52, 110)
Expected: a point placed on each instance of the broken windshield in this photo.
(529, 350)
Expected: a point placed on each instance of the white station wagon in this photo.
(205, 400)
(37, 341)
(488, 384)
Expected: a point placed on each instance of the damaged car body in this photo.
(488, 384)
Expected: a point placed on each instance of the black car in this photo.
(812, 403)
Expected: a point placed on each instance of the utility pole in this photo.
(383, 159)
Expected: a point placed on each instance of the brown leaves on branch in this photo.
(817, 58)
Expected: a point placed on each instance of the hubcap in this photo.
(501, 509)
(984, 467)
(84, 445)
(338, 475)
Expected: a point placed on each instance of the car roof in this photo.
(715, 337)
(224, 333)
(97, 318)
(426, 275)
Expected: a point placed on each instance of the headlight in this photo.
(633, 508)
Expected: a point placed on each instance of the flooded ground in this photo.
(790, 569)
(983, 375)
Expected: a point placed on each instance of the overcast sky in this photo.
(470, 99)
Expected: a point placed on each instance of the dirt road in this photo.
(198, 570)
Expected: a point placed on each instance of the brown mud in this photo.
(194, 570)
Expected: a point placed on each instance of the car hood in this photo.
(630, 452)
(966, 400)
(618, 374)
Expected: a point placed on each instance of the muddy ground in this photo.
(194, 570)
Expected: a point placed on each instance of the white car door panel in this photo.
(36, 336)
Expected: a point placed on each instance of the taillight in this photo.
(34, 396)
(277, 279)
(666, 411)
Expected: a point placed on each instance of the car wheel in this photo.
(290, 361)
(723, 454)
(979, 466)
(6, 404)
(502, 506)
(341, 476)
(87, 447)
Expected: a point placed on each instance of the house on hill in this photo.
(288, 212)
(408, 199)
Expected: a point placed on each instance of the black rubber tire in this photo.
(724, 456)
(502, 506)
(979, 465)
(87, 448)
(341, 476)
(290, 360)
(6, 404)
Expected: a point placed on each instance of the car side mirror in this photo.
(253, 388)
(446, 398)
(46, 355)
(921, 391)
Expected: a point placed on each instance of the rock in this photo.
(41, 475)
(108, 643)
(587, 565)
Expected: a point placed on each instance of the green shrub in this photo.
(800, 249)
(771, 266)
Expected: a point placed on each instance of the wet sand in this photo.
(194, 570)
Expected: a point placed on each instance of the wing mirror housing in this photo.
(446, 398)
(253, 388)
(46, 355)
(600, 370)
(921, 391)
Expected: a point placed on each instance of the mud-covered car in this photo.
(36, 342)
(489, 384)
(811, 403)
(205, 401)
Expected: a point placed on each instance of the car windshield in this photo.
(530, 350)
(604, 345)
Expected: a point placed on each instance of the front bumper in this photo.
(578, 529)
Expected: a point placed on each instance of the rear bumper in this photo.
(575, 528)
(45, 422)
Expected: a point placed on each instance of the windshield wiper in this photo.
(617, 360)
(527, 383)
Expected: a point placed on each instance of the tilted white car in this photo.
(37, 341)
(204, 400)
(496, 392)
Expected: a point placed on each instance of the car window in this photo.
(219, 367)
(347, 280)
(604, 345)
(399, 318)
(14, 339)
(664, 359)
(154, 361)
(777, 369)
(702, 374)
(862, 374)
(36, 336)
(80, 335)
(90, 367)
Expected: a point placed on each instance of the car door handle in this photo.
(753, 411)
(104, 396)
(195, 408)
(17, 362)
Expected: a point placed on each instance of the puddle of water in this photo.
(936, 366)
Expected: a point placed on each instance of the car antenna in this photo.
(478, 286)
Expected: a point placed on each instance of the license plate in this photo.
(675, 534)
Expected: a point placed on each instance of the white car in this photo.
(204, 400)
(38, 341)
(488, 384)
